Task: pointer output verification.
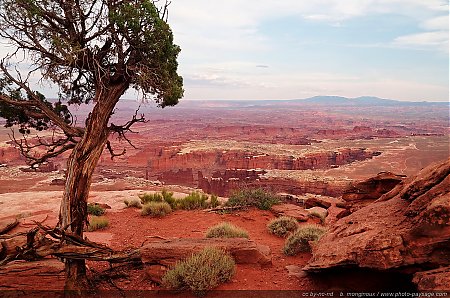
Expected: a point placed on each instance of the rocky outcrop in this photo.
(44, 275)
(168, 252)
(364, 192)
(433, 280)
(159, 256)
(406, 228)
(290, 210)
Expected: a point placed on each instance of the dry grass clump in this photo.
(201, 272)
(156, 209)
(133, 203)
(319, 216)
(195, 200)
(282, 226)
(257, 197)
(300, 240)
(97, 223)
(226, 230)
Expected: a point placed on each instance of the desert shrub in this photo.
(168, 197)
(97, 223)
(201, 272)
(226, 230)
(157, 209)
(151, 197)
(257, 197)
(319, 216)
(214, 201)
(300, 240)
(282, 226)
(95, 209)
(133, 203)
(194, 200)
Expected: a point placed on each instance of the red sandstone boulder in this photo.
(47, 274)
(290, 210)
(311, 201)
(405, 228)
(159, 256)
(364, 192)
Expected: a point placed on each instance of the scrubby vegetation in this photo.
(201, 272)
(97, 223)
(300, 240)
(156, 209)
(282, 226)
(226, 230)
(195, 200)
(319, 216)
(257, 197)
(214, 201)
(95, 209)
(133, 203)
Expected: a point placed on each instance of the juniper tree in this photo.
(93, 51)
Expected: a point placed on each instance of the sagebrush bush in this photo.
(257, 197)
(300, 240)
(151, 197)
(201, 272)
(214, 201)
(97, 223)
(282, 226)
(95, 209)
(194, 200)
(133, 203)
(157, 209)
(168, 197)
(319, 216)
(226, 230)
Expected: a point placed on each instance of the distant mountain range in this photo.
(362, 101)
(338, 101)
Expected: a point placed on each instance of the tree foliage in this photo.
(85, 48)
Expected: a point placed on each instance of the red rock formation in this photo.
(364, 192)
(406, 228)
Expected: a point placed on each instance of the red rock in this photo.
(168, 252)
(47, 274)
(322, 212)
(433, 280)
(290, 210)
(366, 191)
(406, 227)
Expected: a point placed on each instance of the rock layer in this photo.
(406, 228)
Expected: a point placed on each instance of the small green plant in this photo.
(157, 209)
(133, 203)
(257, 197)
(194, 200)
(97, 223)
(201, 272)
(282, 226)
(151, 197)
(300, 240)
(95, 209)
(226, 230)
(214, 201)
(168, 197)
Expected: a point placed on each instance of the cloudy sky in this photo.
(285, 49)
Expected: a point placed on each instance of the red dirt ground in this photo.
(130, 230)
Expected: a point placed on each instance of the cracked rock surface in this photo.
(407, 227)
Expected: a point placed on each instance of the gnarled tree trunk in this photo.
(80, 168)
